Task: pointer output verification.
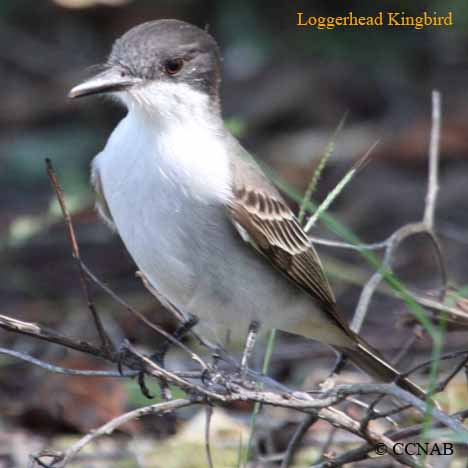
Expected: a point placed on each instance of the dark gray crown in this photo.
(145, 51)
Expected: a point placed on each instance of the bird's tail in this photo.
(372, 363)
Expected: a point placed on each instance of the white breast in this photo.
(164, 188)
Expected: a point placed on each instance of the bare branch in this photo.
(225, 389)
(62, 370)
(62, 459)
(42, 333)
(141, 317)
(434, 150)
(425, 226)
(209, 414)
(427, 363)
(105, 340)
(297, 437)
(362, 452)
(346, 245)
(369, 289)
(343, 421)
(404, 396)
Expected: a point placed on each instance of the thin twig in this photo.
(346, 245)
(105, 340)
(328, 442)
(440, 387)
(443, 357)
(115, 423)
(407, 345)
(44, 334)
(258, 407)
(362, 452)
(434, 151)
(297, 437)
(369, 289)
(63, 370)
(209, 415)
(425, 226)
(404, 396)
(140, 316)
(343, 421)
(455, 314)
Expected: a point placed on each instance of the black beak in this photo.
(109, 81)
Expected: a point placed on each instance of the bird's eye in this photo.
(173, 66)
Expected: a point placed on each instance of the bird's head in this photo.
(164, 67)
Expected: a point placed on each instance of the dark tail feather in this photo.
(372, 363)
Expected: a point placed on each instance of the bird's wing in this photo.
(101, 202)
(262, 216)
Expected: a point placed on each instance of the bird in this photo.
(208, 230)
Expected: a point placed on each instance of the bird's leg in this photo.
(124, 353)
(249, 346)
(341, 361)
(180, 333)
(186, 323)
(330, 381)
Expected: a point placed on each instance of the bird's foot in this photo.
(180, 333)
(122, 355)
(340, 363)
(142, 384)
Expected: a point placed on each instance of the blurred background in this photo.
(284, 91)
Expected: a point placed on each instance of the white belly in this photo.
(148, 180)
(185, 244)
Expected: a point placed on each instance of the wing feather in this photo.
(274, 230)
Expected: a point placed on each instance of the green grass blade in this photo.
(330, 148)
(337, 190)
(346, 234)
(257, 407)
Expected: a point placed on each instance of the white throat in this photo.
(171, 129)
(171, 103)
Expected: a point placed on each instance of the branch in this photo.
(221, 389)
(61, 459)
(361, 453)
(425, 226)
(45, 334)
(209, 414)
(346, 245)
(106, 343)
(343, 421)
(297, 437)
(226, 389)
(404, 396)
(63, 370)
(434, 150)
(140, 316)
